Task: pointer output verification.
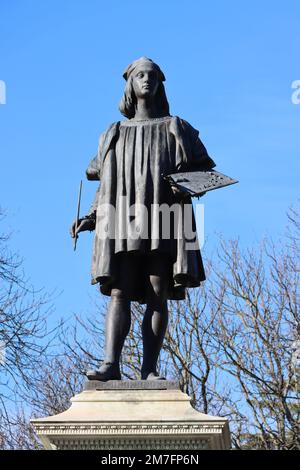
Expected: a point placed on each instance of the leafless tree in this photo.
(23, 333)
(233, 345)
(255, 303)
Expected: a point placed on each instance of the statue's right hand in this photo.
(83, 225)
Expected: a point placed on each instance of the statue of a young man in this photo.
(132, 156)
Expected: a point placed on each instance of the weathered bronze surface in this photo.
(132, 156)
(196, 183)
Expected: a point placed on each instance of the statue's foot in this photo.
(150, 375)
(107, 371)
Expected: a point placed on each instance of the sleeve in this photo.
(93, 174)
(198, 158)
(94, 168)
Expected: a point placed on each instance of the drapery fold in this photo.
(131, 158)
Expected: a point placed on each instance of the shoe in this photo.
(107, 371)
(151, 376)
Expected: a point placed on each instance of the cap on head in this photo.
(141, 61)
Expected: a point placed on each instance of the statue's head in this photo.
(144, 80)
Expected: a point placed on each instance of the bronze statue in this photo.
(133, 156)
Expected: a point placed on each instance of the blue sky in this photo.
(229, 67)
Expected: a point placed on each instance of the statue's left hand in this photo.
(179, 195)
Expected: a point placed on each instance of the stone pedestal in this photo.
(125, 415)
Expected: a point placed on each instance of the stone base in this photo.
(125, 415)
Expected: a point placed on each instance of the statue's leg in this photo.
(117, 321)
(156, 316)
(116, 329)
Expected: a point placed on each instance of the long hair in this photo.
(128, 102)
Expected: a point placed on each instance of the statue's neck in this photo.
(146, 109)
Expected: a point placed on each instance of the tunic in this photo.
(133, 201)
